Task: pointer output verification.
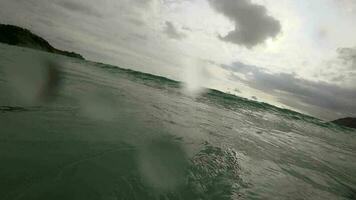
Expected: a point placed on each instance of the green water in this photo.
(110, 133)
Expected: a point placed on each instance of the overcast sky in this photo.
(294, 54)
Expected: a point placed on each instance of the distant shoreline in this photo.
(17, 36)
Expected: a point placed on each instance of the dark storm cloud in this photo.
(252, 23)
(171, 31)
(80, 7)
(298, 92)
(348, 56)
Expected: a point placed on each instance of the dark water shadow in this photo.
(5, 109)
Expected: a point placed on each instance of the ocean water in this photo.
(72, 129)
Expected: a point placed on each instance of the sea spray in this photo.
(195, 75)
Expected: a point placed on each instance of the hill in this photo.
(348, 122)
(17, 36)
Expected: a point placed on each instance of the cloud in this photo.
(81, 7)
(136, 22)
(253, 25)
(321, 99)
(171, 31)
(348, 56)
(348, 5)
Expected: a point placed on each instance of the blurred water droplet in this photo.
(98, 105)
(162, 164)
(34, 79)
